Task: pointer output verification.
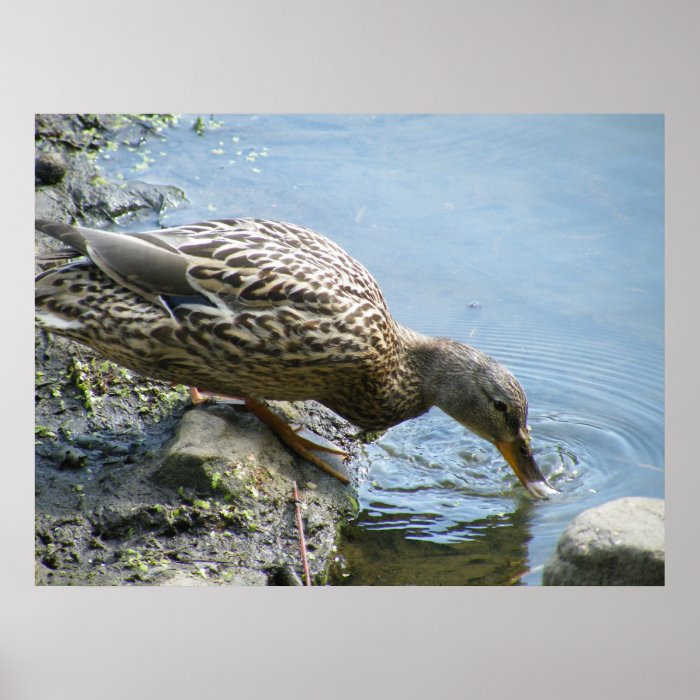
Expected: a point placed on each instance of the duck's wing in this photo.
(231, 264)
(259, 262)
(143, 263)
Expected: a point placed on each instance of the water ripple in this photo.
(596, 418)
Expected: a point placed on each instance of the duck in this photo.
(268, 310)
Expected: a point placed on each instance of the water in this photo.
(538, 239)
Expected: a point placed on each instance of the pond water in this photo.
(538, 239)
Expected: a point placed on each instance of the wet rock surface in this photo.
(619, 543)
(133, 484)
(67, 150)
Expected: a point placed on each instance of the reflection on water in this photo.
(491, 551)
(538, 239)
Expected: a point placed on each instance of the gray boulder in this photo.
(620, 543)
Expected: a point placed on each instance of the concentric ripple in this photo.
(596, 419)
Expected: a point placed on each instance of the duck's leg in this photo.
(290, 436)
(196, 397)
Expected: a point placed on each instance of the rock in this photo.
(48, 205)
(218, 450)
(620, 543)
(49, 168)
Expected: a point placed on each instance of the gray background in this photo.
(359, 56)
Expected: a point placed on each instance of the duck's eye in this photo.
(500, 406)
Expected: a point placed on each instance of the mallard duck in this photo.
(269, 310)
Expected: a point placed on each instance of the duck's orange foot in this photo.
(299, 439)
(306, 445)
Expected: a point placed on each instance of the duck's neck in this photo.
(406, 390)
(407, 386)
(428, 371)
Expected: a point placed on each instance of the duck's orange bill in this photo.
(519, 455)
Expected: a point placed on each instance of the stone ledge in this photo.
(620, 543)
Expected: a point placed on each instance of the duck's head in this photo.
(486, 398)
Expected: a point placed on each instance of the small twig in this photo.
(302, 541)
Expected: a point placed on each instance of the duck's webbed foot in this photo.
(299, 439)
(306, 445)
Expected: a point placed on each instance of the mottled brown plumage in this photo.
(270, 310)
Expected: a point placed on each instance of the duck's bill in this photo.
(519, 455)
